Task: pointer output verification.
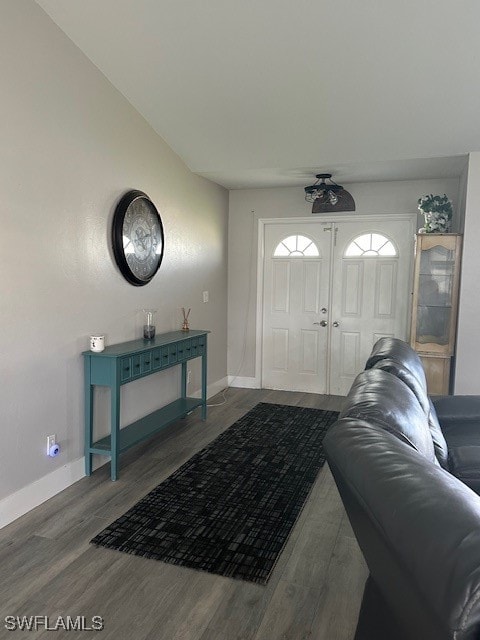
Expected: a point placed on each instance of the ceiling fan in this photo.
(328, 197)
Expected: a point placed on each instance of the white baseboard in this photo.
(19, 503)
(29, 497)
(212, 389)
(244, 382)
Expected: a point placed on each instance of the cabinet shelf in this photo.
(442, 268)
(434, 306)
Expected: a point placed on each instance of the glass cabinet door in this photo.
(435, 296)
(435, 293)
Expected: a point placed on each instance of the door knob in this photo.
(322, 323)
(335, 324)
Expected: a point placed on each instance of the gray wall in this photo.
(71, 146)
(247, 206)
(467, 379)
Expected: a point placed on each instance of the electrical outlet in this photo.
(51, 441)
(189, 376)
(205, 296)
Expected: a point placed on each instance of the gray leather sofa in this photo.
(407, 470)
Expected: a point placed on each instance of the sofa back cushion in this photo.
(401, 352)
(418, 528)
(413, 383)
(380, 397)
(406, 376)
(439, 442)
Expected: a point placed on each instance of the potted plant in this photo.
(437, 212)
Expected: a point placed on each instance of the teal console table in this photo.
(128, 361)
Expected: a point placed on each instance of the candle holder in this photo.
(149, 327)
(185, 326)
(97, 343)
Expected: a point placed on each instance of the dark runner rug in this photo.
(229, 510)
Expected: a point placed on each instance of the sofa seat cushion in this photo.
(462, 433)
(380, 397)
(453, 410)
(465, 465)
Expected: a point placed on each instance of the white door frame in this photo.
(263, 222)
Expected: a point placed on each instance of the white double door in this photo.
(323, 313)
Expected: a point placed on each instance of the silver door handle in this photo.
(322, 323)
(335, 324)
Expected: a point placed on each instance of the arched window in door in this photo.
(371, 245)
(296, 246)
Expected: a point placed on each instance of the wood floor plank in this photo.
(116, 595)
(337, 613)
(28, 569)
(189, 615)
(141, 598)
(290, 613)
(49, 567)
(284, 397)
(310, 559)
(85, 577)
(243, 606)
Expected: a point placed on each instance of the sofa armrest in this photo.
(418, 528)
(453, 410)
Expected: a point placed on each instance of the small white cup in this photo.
(97, 343)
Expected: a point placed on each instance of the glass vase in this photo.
(149, 327)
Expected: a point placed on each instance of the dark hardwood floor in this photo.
(48, 567)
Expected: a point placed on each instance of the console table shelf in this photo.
(148, 425)
(122, 363)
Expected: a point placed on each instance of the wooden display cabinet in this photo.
(435, 305)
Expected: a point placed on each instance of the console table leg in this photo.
(204, 386)
(114, 433)
(88, 428)
(184, 379)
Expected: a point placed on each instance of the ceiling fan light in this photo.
(332, 196)
(327, 197)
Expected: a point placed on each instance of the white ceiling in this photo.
(259, 93)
